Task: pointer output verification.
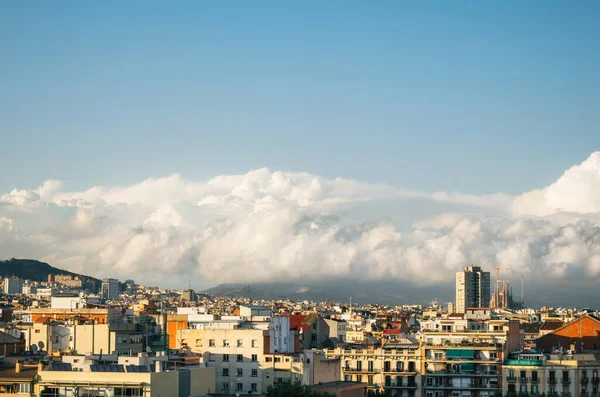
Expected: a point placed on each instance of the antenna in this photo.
(522, 289)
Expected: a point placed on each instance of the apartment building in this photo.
(237, 354)
(393, 367)
(472, 289)
(463, 358)
(557, 375)
(116, 380)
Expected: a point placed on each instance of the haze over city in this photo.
(263, 142)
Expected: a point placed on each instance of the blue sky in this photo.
(470, 96)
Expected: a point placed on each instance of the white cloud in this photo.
(267, 225)
(576, 191)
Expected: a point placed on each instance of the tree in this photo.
(379, 393)
(498, 393)
(293, 389)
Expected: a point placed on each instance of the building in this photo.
(394, 367)
(110, 289)
(68, 281)
(472, 289)
(18, 379)
(13, 285)
(463, 358)
(580, 335)
(237, 354)
(188, 295)
(560, 375)
(118, 380)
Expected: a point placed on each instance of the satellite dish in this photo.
(34, 348)
(41, 345)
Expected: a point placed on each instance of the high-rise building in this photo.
(472, 289)
(110, 289)
(13, 285)
(188, 295)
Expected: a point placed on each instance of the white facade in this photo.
(13, 285)
(67, 302)
(281, 336)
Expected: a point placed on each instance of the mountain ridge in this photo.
(34, 270)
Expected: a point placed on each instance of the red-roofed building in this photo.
(579, 335)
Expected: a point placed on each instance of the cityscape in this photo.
(120, 338)
(339, 198)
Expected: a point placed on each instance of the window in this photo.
(565, 375)
(267, 359)
(370, 379)
(523, 388)
(359, 378)
(254, 343)
(511, 374)
(211, 357)
(198, 342)
(534, 377)
(523, 376)
(253, 387)
(225, 386)
(552, 376)
(225, 357)
(240, 372)
(359, 365)
(254, 357)
(240, 358)
(277, 359)
(370, 366)
(534, 390)
(225, 371)
(240, 386)
(239, 343)
(493, 354)
(225, 342)
(211, 342)
(37, 331)
(254, 373)
(23, 388)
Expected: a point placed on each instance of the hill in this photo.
(29, 269)
(383, 292)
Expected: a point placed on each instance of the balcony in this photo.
(351, 370)
(584, 380)
(534, 380)
(551, 381)
(523, 380)
(565, 381)
(595, 380)
(511, 379)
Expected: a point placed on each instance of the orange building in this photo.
(175, 322)
(579, 335)
(99, 316)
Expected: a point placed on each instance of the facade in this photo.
(580, 335)
(237, 355)
(188, 295)
(282, 338)
(463, 358)
(337, 328)
(564, 375)
(13, 285)
(395, 367)
(472, 289)
(68, 281)
(110, 289)
(119, 380)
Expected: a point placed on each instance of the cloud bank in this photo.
(267, 225)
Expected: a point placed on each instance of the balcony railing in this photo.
(534, 380)
(584, 380)
(565, 381)
(511, 379)
(523, 379)
(361, 370)
(552, 381)
(595, 380)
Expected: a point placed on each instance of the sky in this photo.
(205, 139)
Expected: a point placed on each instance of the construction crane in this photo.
(522, 290)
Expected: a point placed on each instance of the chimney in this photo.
(18, 366)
